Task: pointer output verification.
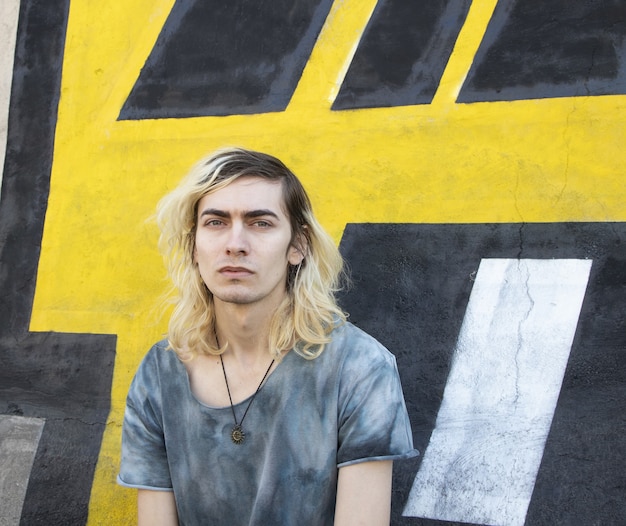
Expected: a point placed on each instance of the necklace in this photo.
(237, 435)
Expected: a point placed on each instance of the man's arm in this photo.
(156, 508)
(364, 494)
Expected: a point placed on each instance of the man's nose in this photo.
(237, 242)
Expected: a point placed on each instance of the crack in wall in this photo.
(522, 267)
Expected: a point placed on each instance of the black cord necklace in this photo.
(237, 435)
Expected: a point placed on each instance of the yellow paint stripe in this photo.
(151, 22)
(110, 503)
(332, 55)
(129, 29)
(465, 49)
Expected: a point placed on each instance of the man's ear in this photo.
(296, 255)
(298, 249)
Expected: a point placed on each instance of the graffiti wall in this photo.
(466, 156)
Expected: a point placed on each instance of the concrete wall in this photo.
(467, 157)
(8, 32)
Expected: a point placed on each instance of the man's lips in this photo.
(235, 272)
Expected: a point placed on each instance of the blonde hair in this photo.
(309, 311)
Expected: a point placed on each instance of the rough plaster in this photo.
(19, 438)
(446, 163)
(9, 10)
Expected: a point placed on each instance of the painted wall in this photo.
(466, 156)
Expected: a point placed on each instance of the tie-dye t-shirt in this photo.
(310, 418)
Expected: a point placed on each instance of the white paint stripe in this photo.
(19, 438)
(9, 10)
(484, 453)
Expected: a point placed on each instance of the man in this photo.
(264, 406)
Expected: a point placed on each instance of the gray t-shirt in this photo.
(310, 418)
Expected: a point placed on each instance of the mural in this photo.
(517, 396)
(465, 155)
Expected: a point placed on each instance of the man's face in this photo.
(243, 242)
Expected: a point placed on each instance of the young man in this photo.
(264, 406)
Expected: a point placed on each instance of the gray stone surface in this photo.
(9, 10)
(19, 438)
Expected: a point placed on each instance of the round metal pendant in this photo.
(237, 435)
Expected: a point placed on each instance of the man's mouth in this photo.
(235, 272)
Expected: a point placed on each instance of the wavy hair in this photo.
(309, 311)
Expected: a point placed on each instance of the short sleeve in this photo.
(373, 420)
(144, 458)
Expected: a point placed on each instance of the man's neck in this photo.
(246, 329)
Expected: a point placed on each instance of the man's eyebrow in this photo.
(214, 212)
(251, 214)
(260, 213)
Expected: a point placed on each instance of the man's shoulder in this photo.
(160, 357)
(159, 351)
(352, 342)
(349, 332)
(159, 369)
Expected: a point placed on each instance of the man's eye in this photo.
(262, 224)
(214, 222)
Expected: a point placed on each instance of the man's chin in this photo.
(239, 295)
(236, 298)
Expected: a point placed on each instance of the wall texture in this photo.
(467, 157)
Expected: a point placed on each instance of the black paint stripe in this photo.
(411, 286)
(402, 54)
(224, 58)
(562, 48)
(62, 378)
